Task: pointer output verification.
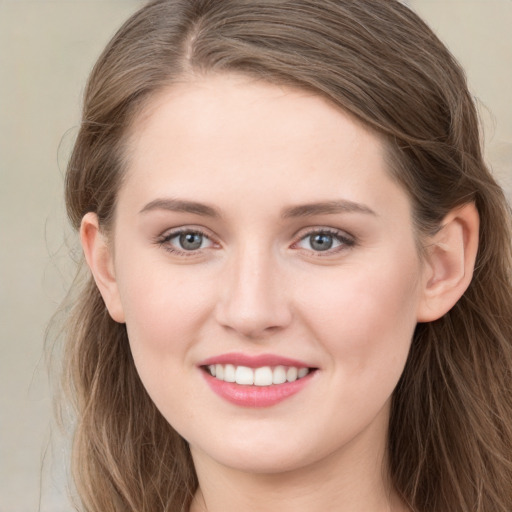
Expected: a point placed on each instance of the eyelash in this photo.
(164, 241)
(345, 241)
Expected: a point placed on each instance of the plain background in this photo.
(47, 48)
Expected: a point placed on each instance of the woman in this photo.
(299, 290)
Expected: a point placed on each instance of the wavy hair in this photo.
(450, 432)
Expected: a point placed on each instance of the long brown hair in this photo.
(450, 434)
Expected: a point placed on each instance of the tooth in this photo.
(229, 373)
(291, 374)
(302, 372)
(279, 375)
(263, 376)
(219, 371)
(244, 375)
(212, 369)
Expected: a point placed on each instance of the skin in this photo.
(252, 152)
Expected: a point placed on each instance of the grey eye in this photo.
(324, 241)
(321, 241)
(190, 241)
(186, 242)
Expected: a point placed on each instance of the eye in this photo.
(325, 241)
(189, 241)
(185, 241)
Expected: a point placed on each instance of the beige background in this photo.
(46, 50)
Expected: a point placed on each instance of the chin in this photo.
(268, 463)
(274, 455)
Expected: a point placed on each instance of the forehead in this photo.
(208, 103)
(247, 136)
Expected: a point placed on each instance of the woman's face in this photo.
(259, 236)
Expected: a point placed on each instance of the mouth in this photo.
(256, 381)
(260, 376)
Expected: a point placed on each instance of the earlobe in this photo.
(99, 258)
(450, 261)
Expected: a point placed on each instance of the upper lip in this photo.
(253, 361)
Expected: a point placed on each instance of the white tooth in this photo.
(229, 373)
(279, 375)
(244, 375)
(212, 369)
(302, 372)
(291, 374)
(263, 376)
(219, 371)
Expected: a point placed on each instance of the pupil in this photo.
(321, 242)
(191, 241)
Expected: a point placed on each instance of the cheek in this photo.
(165, 309)
(365, 325)
(367, 314)
(164, 317)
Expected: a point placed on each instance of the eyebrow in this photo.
(327, 208)
(304, 210)
(180, 205)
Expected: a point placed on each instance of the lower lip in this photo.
(256, 396)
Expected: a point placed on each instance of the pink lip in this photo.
(238, 359)
(254, 396)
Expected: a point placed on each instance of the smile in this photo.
(262, 376)
(256, 381)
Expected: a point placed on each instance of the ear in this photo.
(100, 260)
(450, 261)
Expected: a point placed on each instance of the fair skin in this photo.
(217, 252)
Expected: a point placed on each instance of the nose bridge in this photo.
(253, 301)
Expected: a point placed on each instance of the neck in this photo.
(350, 480)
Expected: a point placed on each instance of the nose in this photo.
(253, 300)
